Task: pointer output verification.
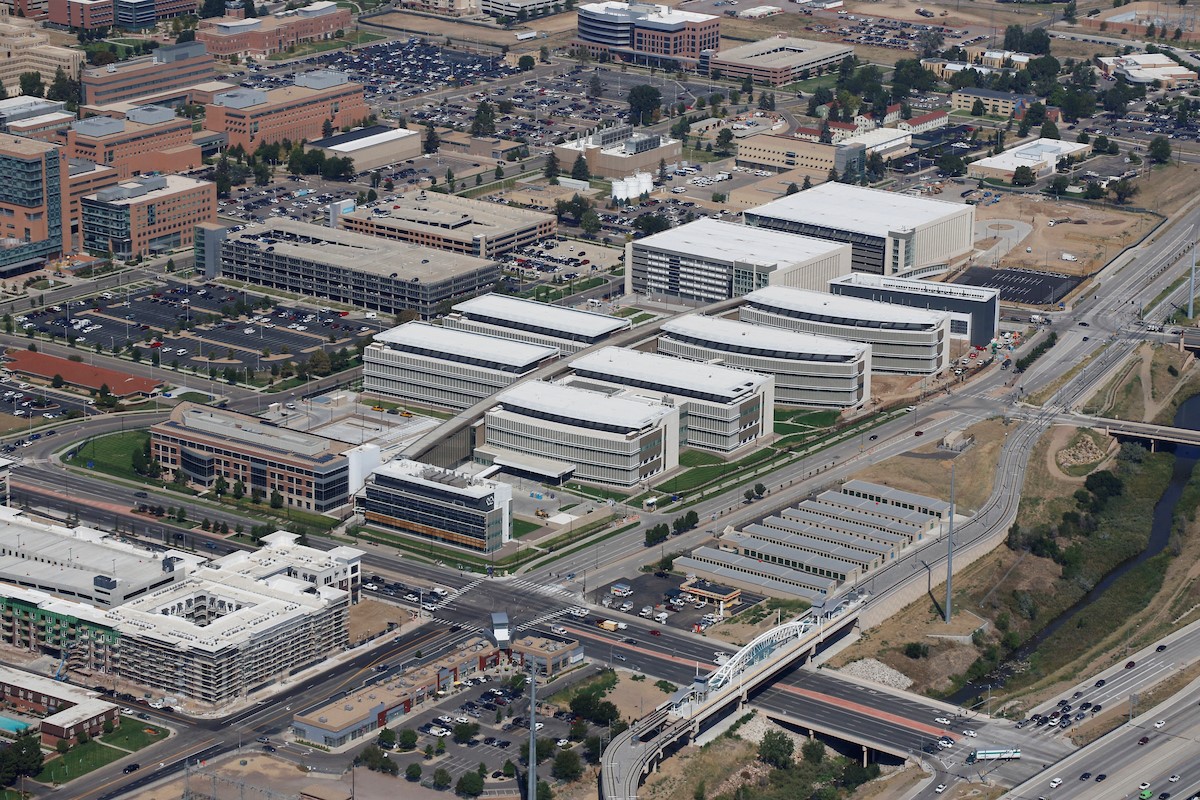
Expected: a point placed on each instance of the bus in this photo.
(993, 755)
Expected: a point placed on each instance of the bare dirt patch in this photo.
(261, 777)
(1106, 233)
(635, 698)
(711, 765)
(370, 618)
(1167, 188)
(922, 472)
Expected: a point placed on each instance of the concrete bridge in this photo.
(1144, 431)
(637, 751)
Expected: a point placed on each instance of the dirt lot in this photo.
(1107, 231)
(371, 617)
(255, 777)
(926, 470)
(559, 28)
(1167, 188)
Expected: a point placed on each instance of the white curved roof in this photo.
(452, 341)
(856, 208)
(837, 305)
(720, 331)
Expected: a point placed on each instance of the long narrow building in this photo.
(817, 371)
(903, 339)
(568, 329)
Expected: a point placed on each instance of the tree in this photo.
(567, 766)
(1069, 12)
(57, 381)
(32, 85)
(749, 495)
(1023, 176)
(650, 224)
(526, 63)
(1049, 130)
(776, 749)
(977, 109)
(249, 9)
(431, 141)
(407, 739)
(590, 222)
(544, 792)
(484, 122)
(188, 35)
(212, 8)
(441, 778)
(1124, 190)
(579, 170)
(1059, 185)
(412, 772)
(595, 86)
(644, 103)
(813, 751)
(759, 490)
(1159, 150)
(63, 88)
(552, 169)
(469, 785)
(724, 140)
(791, 189)
(276, 499)
(464, 732)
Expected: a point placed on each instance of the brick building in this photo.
(646, 33)
(261, 37)
(170, 67)
(149, 139)
(147, 216)
(86, 15)
(251, 116)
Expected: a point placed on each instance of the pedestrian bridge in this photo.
(1145, 431)
(636, 752)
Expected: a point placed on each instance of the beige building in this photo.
(778, 60)
(787, 153)
(371, 147)
(619, 151)
(24, 48)
(491, 147)
(443, 8)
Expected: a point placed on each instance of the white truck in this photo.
(1036, 319)
(660, 617)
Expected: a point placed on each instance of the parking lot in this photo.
(1025, 286)
(192, 326)
(651, 591)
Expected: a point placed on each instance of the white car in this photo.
(537, 726)
(463, 720)
(563, 743)
(1143, 786)
(940, 788)
(1159, 724)
(1173, 779)
(970, 733)
(1054, 784)
(942, 721)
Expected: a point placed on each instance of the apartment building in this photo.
(353, 268)
(815, 371)
(84, 15)
(251, 116)
(148, 139)
(262, 37)
(995, 103)
(33, 188)
(446, 368)
(904, 340)
(308, 471)
(438, 504)
(448, 222)
(65, 711)
(646, 32)
(171, 67)
(568, 329)
(24, 48)
(555, 431)
(147, 216)
(720, 408)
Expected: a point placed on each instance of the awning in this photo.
(525, 462)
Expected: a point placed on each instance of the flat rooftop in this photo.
(361, 139)
(251, 431)
(916, 286)
(20, 146)
(854, 208)
(437, 340)
(359, 252)
(686, 377)
(428, 475)
(822, 304)
(449, 215)
(727, 333)
(782, 53)
(729, 241)
(566, 403)
(543, 317)
(1032, 154)
(175, 185)
(897, 497)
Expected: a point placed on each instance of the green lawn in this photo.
(640, 318)
(133, 734)
(627, 311)
(549, 293)
(524, 528)
(697, 458)
(194, 397)
(79, 760)
(112, 454)
(808, 418)
(707, 473)
(596, 492)
(810, 85)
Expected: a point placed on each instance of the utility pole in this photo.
(531, 785)
(950, 549)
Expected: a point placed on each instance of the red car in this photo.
(656, 632)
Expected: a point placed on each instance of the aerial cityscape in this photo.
(559, 400)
